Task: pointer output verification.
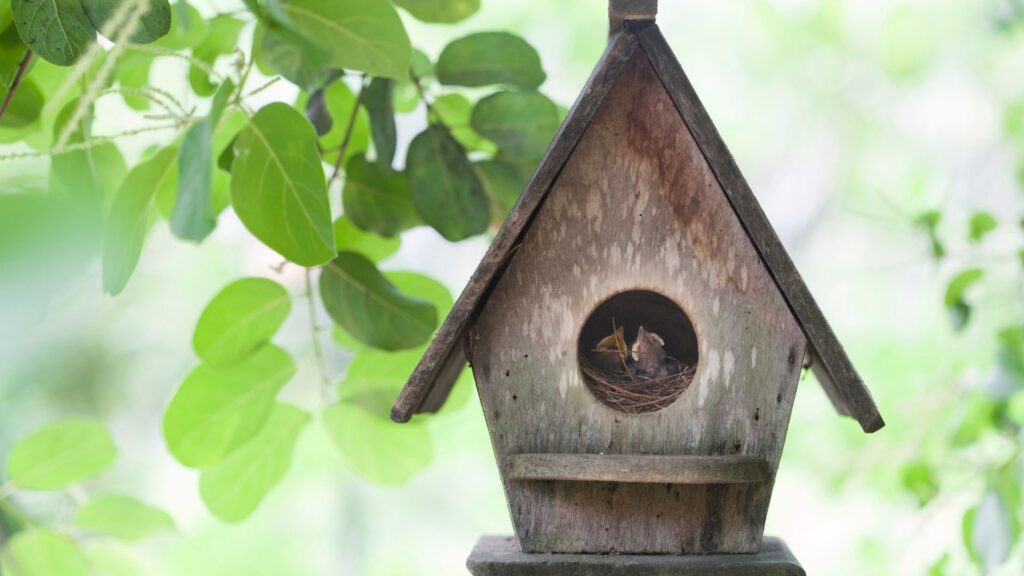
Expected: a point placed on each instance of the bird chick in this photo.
(611, 353)
(648, 353)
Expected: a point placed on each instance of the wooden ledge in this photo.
(643, 469)
(496, 556)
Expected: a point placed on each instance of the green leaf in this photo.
(43, 553)
(91, 176)
(233, 489)
(522, 124)
(61, 454)
(363, 302)
(410, 284)
(446, 190)
(57, 30)
(188, 29)
(220, 39)
(504, 183)
(363, 35)
(287, 38)
(377, 449)
(373, 378)
(216, 410)
(123, 517)
(1010, 356)
(349, 238)
(955, 302)
(488, 58)
(154, 23)
(241, 318)
(232, 122)
(377, 199)
(130, 215)
(990, 531)
(455, 112)
(918, 478)
(1015, 409)
(340, 102)
(440, 11)
(278, 186)
(276, 54)
(25, 107)
(982, 223)
(379, 99)
(109, 557)
(133, 70)
(194, 217)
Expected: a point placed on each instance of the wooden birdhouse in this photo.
(636, 330)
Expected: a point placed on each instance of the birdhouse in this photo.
(637, 330)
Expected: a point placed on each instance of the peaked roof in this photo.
(445, 358)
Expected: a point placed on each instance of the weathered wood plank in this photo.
(637, 208)
(839, 377)
(639, 468)
(500, 556)
(445, 359)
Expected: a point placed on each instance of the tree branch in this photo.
(22, 72)
(348, 132)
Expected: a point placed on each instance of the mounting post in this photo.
(622, 11)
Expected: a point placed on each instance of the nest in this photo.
(636, 394)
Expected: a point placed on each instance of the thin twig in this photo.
(423, 97)
(129, 20)
(93, 142)
(343, 149)
(318, 353)
(263, 87)
(243, 78)
(156, 50)
(145, 95)
(22, 71)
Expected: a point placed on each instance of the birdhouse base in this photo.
(500, 556)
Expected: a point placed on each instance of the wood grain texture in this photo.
(637, 207)
(833, 368)
(639, 468)
(444, 360)
(500, 556)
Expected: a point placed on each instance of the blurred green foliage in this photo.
(281, 123)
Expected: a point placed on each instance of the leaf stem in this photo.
(417, 83)
(21, 73)
(348, 131)
(6, 490)
(314, 331)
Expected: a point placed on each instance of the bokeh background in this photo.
(856, 123)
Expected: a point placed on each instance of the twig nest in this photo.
(637, 379)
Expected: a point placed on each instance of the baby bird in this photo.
(611, 354)
(650, 361)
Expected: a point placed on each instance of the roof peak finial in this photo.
(622, 11)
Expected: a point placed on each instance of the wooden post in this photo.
(621, 11)
(497, 556)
